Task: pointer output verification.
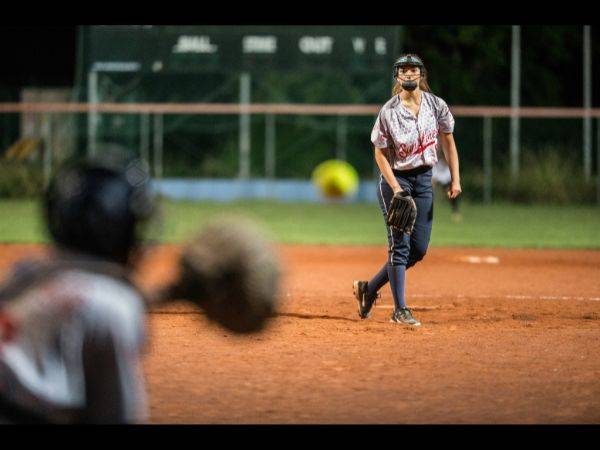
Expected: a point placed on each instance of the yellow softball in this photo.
(335, 178)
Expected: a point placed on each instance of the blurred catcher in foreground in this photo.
(72, 323)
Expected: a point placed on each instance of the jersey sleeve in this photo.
(380, 136)
(444, 117)
(114, 384)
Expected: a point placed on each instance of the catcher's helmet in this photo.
(408, 60)
(97, 207)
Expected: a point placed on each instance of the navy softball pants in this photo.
(405, 251)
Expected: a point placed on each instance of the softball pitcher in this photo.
(405, 137)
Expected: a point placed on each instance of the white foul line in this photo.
(508, 296)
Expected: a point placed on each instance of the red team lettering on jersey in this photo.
(413, 139)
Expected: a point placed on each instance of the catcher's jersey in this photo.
(412, 141)
(70, 349)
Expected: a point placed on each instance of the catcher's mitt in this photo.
(402, 213)
(231, 272)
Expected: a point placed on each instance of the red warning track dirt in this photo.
(515, 339)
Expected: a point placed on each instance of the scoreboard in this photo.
(197, 49)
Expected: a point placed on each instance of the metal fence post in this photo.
(92, 117)
(47, 133)
(487, 159)
(342, 133)
(515, 101)
(270, 146)
(587, 103)
(145, 137)
(244, 138)
(158, 145)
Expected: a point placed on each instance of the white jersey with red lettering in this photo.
(70, 345)
(411, 140)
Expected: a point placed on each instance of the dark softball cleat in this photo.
(404, 316)
(364, 304)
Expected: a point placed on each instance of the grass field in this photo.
(497, 225)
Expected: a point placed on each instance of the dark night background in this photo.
(36, 56)
(45, 56)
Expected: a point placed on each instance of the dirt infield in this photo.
(508, 336)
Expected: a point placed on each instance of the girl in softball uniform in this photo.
(405, 137)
